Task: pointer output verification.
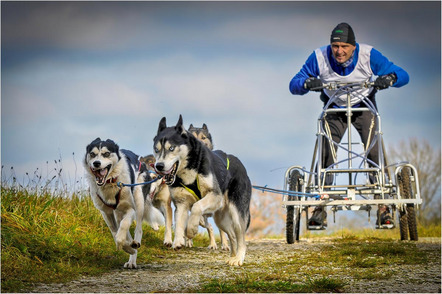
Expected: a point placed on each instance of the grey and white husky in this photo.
(206, 183)
(202, 134)
(106, 165)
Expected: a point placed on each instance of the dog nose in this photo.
(159, 166)
(97, 163)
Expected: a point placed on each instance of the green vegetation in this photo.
(266, 284)
(53, 239)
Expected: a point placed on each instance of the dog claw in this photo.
(130, 265)
(234, 261)
(212, 247)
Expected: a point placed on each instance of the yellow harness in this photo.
(196, 192)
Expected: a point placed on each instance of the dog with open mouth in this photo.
(204, 182)
(107, 165)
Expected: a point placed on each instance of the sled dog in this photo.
(161, 200)
(159, 195)
(202, 134)
(206, 183)
(106, 165)
(205, 136)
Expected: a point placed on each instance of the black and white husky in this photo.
(106, 165)
(206, 183)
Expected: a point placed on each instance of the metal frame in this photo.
(351, 196)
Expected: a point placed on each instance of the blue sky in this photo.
(74, 71)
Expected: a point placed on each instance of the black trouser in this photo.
(337, 122)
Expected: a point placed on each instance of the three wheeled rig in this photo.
(357, 182)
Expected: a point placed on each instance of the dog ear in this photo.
(191, 127)
(93, 143)
(162, 125)
(113, 147)
(205, 127)
(180, 128)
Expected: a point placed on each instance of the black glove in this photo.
(383, 82)
(312, 83)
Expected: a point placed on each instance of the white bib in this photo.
(361, 73)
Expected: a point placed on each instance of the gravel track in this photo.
(184, 270)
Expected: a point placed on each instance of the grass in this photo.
(54, 239)
(253, 284)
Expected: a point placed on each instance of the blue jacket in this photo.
(380, 66)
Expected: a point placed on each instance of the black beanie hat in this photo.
(343, 33)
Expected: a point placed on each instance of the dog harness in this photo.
(194, 188)
(117, 200)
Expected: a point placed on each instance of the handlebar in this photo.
(338, 86)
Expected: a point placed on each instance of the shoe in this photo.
(384, 220)
(319, 217)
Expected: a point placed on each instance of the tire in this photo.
(407, 215)
(293, 214)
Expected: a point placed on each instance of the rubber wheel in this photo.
(407, 214)
(293, 214)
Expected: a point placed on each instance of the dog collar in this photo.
(117, 200)
(111, 180)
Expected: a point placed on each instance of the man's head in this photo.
(343, 42)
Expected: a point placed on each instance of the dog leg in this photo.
(224, 241)
(208, 205)
(132, 263)
(123, 238)
(139, 213)
(166, 209)
(204, 222)
(180, 223)
(111, 222)
(238, 259)
(230, 222)
(189, 243)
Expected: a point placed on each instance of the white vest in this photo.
(361, 73)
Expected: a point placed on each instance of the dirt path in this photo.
(184, 270)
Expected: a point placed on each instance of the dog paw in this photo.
(235, 261)
(135, 245)
(212, 247)
(225, 247)
(189, 243)
(130, 265)
(167, 244)
(191, 232)
(177, 247)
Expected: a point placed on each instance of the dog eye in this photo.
(106, 154)
(156, 150)
(92, 154)
(171, 148)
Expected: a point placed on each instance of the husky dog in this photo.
(159, 195)
(106, 164)
(206, 183)
(204, 136)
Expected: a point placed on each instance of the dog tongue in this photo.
(103, 172)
